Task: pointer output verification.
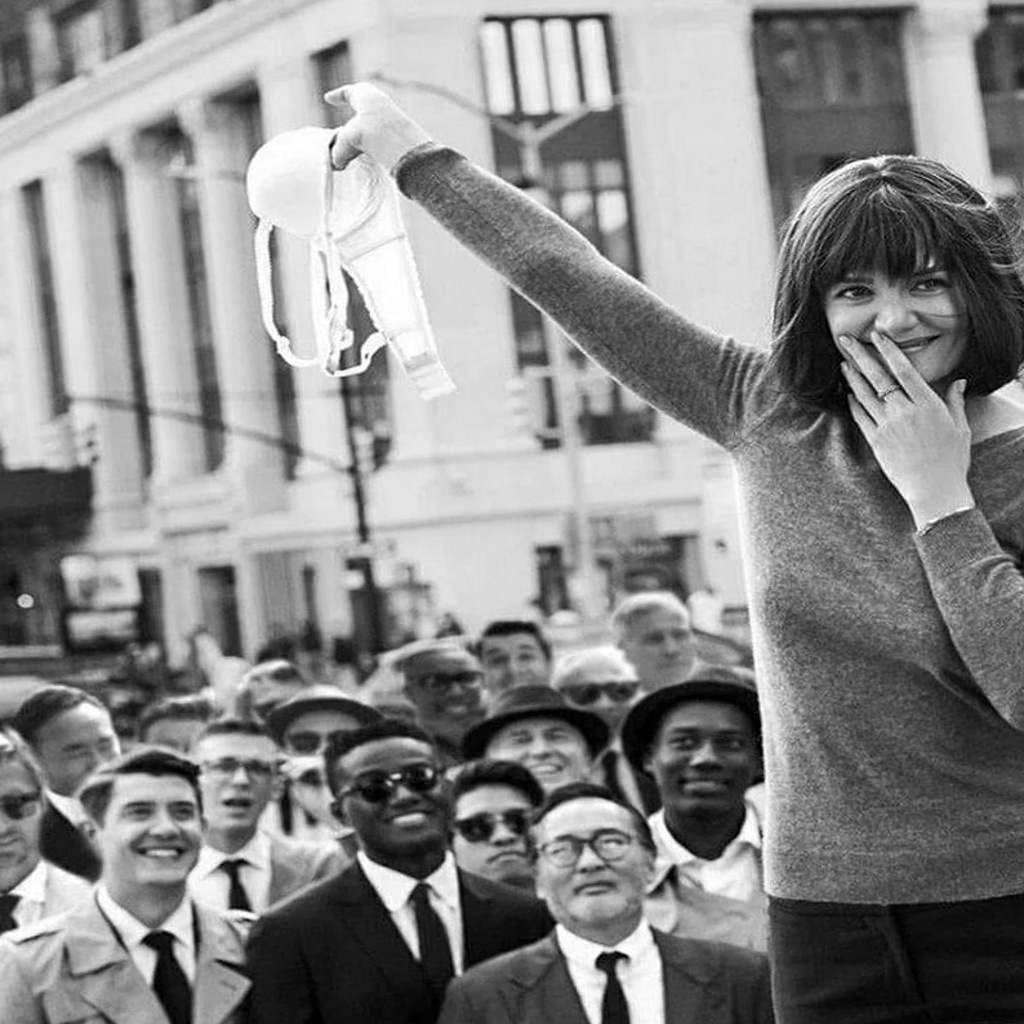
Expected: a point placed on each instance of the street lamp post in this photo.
(530, 138)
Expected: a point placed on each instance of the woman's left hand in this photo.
(921, 441)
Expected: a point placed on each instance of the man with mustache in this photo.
(379, 943)
(137, 951)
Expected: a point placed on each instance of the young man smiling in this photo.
(139, 951)
(381, 941)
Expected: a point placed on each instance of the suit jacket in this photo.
(295, 864)
(61, 843)
(72, 968)
(332, 955)
(707, 982)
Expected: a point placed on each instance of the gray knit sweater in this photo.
(890, 666)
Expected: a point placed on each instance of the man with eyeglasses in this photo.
(137, 950)
(603, 680)
(379, 943)
(240, 866)
(603, 963)
(30, 887)
(444, 683)
(492, 803)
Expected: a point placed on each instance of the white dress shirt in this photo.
(210, 883)
(642, 976)
(395, 892)
(31, 893)
(181, 924)
(70, 806)
(736, 873)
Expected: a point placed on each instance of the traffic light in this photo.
(522, 403)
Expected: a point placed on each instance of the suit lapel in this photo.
(284, 872)
(220, 985)
(548, 993)
(369, 924)
(104, 974)
(689, 991)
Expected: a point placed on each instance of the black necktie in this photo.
(238, 898)
(614, 1009)
(169, 982)
(435, 951)
(7, 904)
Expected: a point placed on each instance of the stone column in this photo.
(243, 349)
(949, 119)
(288, 100)
(162, 305)
(93, 336)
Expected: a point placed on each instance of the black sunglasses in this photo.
(584, 694)
(443, 682)
(17, 806)
(478, 828)
(376, 787)
(310, 742)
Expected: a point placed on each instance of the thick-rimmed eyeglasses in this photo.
(309, 742)
(478, 828)
(18, 806)
(443, 682)
(376, 787)
(585, 694)
(609, 844)
(227, 766)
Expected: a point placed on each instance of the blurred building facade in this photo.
(130, 335)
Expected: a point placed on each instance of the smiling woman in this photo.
(882, 500)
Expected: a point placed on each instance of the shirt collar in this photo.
(583, 952)
(256, 853)
(32, 888)
(394, 888)
(71, 807)
(181, 923)
(749, 834)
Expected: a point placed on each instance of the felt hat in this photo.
(318, 698)
(523, 702)
(728, 683)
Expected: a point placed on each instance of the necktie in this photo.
(435, 951)
(238, 898)
(7, 904)
(614, 1009)
(169, 982)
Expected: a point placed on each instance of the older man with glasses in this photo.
(30, 887)
(240, 866)
(603, 963)
(381, 941)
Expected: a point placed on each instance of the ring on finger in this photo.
(882, 395)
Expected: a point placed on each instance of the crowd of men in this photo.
(498, 837)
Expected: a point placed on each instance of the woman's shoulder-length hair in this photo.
(897, 215)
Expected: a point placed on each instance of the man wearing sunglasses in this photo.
(492, 802)
(595, 858)
(380, 942)
(240, 866)
(604, 681)
(30, 887)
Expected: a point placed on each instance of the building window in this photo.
(1000, 60)
(369, 393)
(179, 150)
(46, 295)
(833, 88)
(535, 70)
(81, 41)
(251, 121)
(15, 74)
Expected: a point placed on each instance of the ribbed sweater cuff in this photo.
(955, 541)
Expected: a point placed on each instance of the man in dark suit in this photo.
(379, 943)
(70, 733)
(604, 964)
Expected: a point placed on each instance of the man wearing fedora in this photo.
(534, 726)
(700, 740)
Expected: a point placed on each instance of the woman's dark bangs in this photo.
(883, 231)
